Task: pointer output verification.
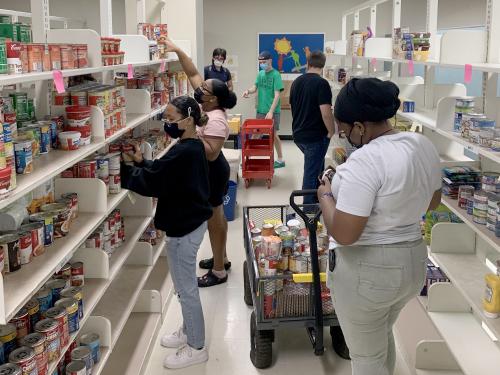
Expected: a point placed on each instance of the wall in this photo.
(234, 25)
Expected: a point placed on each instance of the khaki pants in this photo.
(370, 286)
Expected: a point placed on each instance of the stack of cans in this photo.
(491, 222)
(480, 211)
(464, 192)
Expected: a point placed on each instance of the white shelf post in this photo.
(356, 20)
(493, 28)
(106, 17)
(373, 19)
(344, 27)
(141, 11)
(40, 21)
(396, 14)
(432, 16)
(430, 72)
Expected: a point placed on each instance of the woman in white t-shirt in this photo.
(372, 209)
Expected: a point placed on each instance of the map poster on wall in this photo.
(290, 50)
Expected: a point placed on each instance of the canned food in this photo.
(74, 203)
(8, 334)
(24, 357)
(10, 369)
(71, 306)
(23, 150)
(33, 307)
(44, 298)
(76, 293)
(50, 329)
(9, 243)
(22, 322)
(55, 56)
(77, 275)
(87, 169)
(62, 216)
(68, 56)
(56, 286)
(37, 237)
(76, 368)
(48, 226)
(36, 341)
(65, 272)
(35, 57)
(267, 230)
(92, 341)
(83, 353)
(25, 248)
(45, 138)
(60, 315)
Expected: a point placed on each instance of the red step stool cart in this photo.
(257, 138)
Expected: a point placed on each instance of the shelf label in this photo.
(468, 73)
(130, 71)
(473, 149)
(58, 81)
(411, 67)
(162, 66)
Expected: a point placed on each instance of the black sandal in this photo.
(209, 279)
(208, 264)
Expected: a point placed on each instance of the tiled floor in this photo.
(226, 315)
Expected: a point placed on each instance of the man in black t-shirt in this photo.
(312, 125)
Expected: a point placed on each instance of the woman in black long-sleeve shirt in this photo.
(180, 182)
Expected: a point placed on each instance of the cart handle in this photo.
(307, 277)
(302, 214)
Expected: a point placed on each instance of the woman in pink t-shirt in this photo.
(214, 98)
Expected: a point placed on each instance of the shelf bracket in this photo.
(356, 20)
(396, 14)
(106, 17)
(373, 19)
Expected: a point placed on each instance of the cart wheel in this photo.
(247, 183)
(338, 342)
(261, 345)
(246, 286)
(269, 184)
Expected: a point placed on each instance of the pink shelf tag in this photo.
(411, 67)
(468, 73)
(130, 71)
(374, 61)
(162, 66)
(58, 81)
(353, 61)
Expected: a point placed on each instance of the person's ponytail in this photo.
(226, 98)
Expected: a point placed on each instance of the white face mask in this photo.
(218, 63)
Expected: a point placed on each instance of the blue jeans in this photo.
(314, 164)
(181, 255)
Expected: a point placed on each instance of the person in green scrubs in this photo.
(268, 86)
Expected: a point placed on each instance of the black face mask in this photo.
(198, 95)
(172, 129)
(350, 141)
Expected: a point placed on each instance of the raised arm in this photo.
(187, 64)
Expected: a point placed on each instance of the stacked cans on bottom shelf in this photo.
(281, 251)
(41, 330)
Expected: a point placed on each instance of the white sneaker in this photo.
(185, 357)
(174, 340)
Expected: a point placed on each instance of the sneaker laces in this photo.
(184, 350)
(178, 333)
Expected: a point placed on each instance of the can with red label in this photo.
(14, 63)
(87, 169)
(77, 275)
(94, 241)
(67, 355)
(50, 329)
(115, 186)
(37, 237)
(22, 322)
(65, 272)
(74, 203)
(37, 341)
(24, 357)
(60, 315)
(25, 248)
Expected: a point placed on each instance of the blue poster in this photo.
(290, 51)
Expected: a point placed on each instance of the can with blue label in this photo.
(91, 340)
(24, 155)
(56, 286)
(44, 298)
(45, 138)
(48, 225)
(8, 334)
(71, 306)
(76, 293)
(7, 132)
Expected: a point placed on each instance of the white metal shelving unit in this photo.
(125, 294)
(466, 251)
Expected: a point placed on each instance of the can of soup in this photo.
(9, 243)
(37, 237)
(37, 342)
(91, 340)
(22, 322)
(25, 248)
(44, 298)
(24, 357)
(83, 353)
(10, 369)
(60, 315)
(76, 293)
(50, 329)
(76, 368)
(33, 307)
(8, 334)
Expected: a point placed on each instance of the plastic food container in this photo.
(69, 140)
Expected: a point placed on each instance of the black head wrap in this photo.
(367, 99)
